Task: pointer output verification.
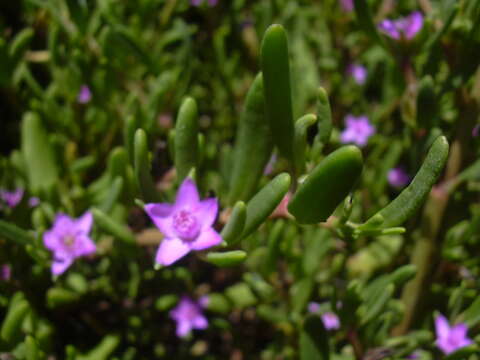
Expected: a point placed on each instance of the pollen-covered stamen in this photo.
(185, 224)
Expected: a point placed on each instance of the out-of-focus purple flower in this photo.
(313, 307)
(397, 177)
(186, 224)
(6, 272)
(199, 2)
(69, 239)
(358, 72)
(188, 315)
(330, 321)
(404, 28)
(476, 130)
(11, 198)
(270, 165)
(84, 95)
(347, 5)
(450, 339)
(413, 356)
(357, 131)
(33, 201)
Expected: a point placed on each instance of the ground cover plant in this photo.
(239, 179)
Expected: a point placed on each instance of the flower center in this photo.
(68, 240)
(185, 224)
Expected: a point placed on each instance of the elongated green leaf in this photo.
(327, 185)
(112, 227)
(57, 297)
(472, 314)
(324, 115)
(228, 258)
(372, 309)
(104, 349)
(253, 146)
(463, 353)
(265, 201)
(300, 140)
(233, 229)
(186, 138)
(20, 43)
(13, 233)
(426, 103)
(278, 93)
(365, 19)
(113, 195)
(412, 197)
(145, 182)
(12, 323)
(130, 126)
(314, 340)
(42, 171)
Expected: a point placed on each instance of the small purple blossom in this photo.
(357, 131)
(199, 2)
(313, 307)
(33, 201)
(69, 239)
(330, 321)
(398, 177)
(403, 28)
(476, 130)
(358, 73)
(414, 355)
(84, 95)
(11, 198)
(450, 339)
(186, 224)
(188, 315)
(347, 5)
(5, 272)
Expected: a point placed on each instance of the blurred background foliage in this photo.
(139, 59)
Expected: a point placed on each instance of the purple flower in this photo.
(347, 5)
(313, 307)
(450, 339)
(84, 95)
(330, 321)
(414, 355)
(199, 2)
(358, 72)
(186, 225)
(69, 239)
(5, 272)
(476, 130)
(397, 177)
(11, 198)
(404, 28)
(188, 315)
(357, 131)
(33, 201)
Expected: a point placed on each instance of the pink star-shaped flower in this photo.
(186, 224)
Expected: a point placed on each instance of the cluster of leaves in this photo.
(386, 262)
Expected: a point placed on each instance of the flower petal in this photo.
(187, 195)
(170, 250)
(206, 239)
(200, 322)
(160, 215)
(442, 328)
(206, 212)
(60, 265)
(183, 328)
(50, 239)
(84, 245)
(84, 223)
(414, 24)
